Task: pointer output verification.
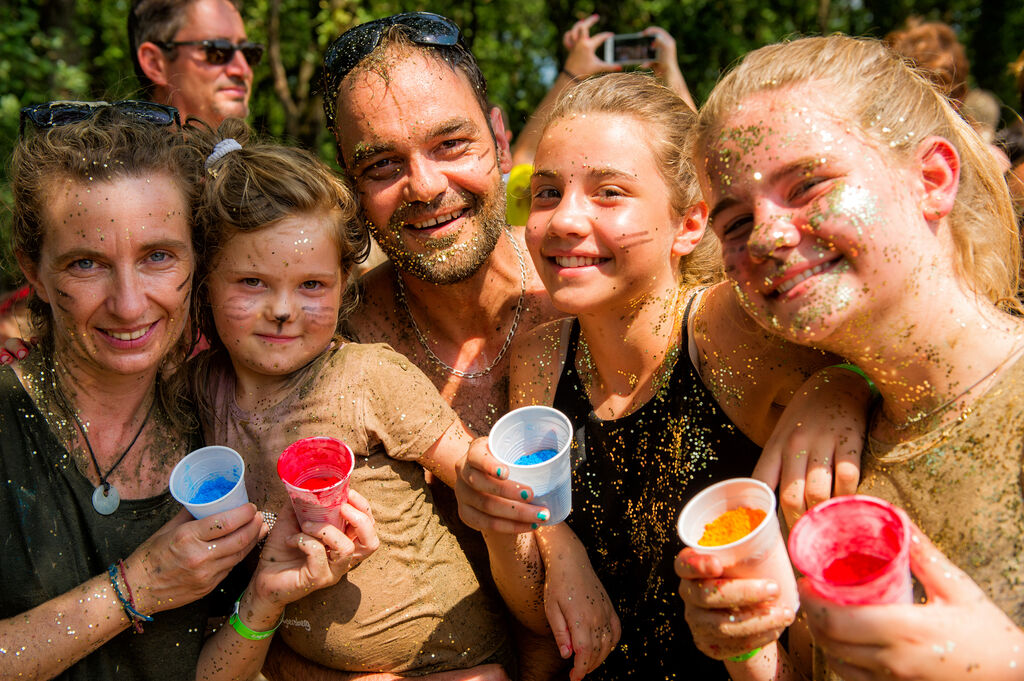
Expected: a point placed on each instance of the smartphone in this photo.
(630, 48)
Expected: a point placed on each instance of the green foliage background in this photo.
(77, 49)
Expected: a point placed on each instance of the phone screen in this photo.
(630, 48)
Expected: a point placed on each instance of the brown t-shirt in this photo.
(961, 484)
(415, 604)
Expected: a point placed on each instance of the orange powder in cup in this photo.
(731, 526)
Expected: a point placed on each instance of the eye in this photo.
(383, 169)
(311, 285)
(544, 196)
(806, 188)
(452, 147)
(738, 228)
(159, 257)
(83, 265)
(610, 192)
(251, 281)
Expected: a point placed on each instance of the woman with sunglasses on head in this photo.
(93, 543)
(859, 213)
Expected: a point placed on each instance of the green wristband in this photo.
(745, 656)
(245, 632)
(860, 372)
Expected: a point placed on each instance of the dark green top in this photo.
(52, 540)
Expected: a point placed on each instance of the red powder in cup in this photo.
(853, 568)
(315, 484)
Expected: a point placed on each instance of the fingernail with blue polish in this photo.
(534, 525)
(543, 515)
(499, 472)
(523, 494)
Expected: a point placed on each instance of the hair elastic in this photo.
(222, 149)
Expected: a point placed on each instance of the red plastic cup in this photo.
(315, 471)
(855, 550)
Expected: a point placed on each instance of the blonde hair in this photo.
(668, 123)
(897, 106)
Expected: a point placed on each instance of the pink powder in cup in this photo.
(315, 471)
(855, 550)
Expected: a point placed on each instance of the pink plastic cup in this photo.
(855, 550)
(315, 471)
(760, 554)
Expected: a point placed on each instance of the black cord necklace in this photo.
(105, 498)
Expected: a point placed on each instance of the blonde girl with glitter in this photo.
(617, 232)
(93, 543)
(279, 240)
(858, 213)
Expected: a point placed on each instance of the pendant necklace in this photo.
(105, 498)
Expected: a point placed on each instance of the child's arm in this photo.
(294, 563)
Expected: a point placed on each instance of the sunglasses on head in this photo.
(54, 114)
(423, 28)
(220, 51)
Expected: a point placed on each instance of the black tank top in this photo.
(631, 478)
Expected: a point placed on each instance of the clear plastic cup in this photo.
(761, 554)
(540, 436)
(209, 480)
(315, 471)
(855, 550)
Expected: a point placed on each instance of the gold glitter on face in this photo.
(116, 271)
(429, 180)
(813, 217)
(275, 294)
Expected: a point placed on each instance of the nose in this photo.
(238, 67)
(127, 300)
(570, 218)
(774, 233)
(280, 307)
(425, 180)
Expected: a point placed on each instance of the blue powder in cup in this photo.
(212, 489)
(539, 456)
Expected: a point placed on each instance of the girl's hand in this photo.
(957, 634)
(296, 562)
(576, 604)
(728, 617)
(583, 60)
(814, 451)
(14, 349)
(186, 558)
(488, 500)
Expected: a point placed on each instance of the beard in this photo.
(446, 260)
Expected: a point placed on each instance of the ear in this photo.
(31, 272)
(501, 140)
(939, 167)
(690, 229)
(153, 61)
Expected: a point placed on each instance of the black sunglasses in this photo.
(220, 51)
(54, 114)
(423, 28)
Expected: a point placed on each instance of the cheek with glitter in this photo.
(236, 308)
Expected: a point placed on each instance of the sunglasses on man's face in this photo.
(423, 28)
(54, 114)
(220, 51)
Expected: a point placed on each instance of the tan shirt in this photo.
(961, 484)
(415, 604)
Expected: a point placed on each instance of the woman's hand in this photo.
(814, 451)
(577, 606)
(582, 60)
(488, 500)
(728, 617)
(295, 562)
(957, 634)
(185, 559)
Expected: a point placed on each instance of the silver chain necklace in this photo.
(400, 293)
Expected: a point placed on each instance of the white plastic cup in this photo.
(528, 430)
(855, 550)
(761, 554)
(315, 471)
(197, 477)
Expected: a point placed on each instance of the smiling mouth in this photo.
(439, 221)
(578, 261)
(129, 335)
(789, 284)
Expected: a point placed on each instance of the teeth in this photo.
(576, 261)
(435, 221)
(803, 276)
(131, 335)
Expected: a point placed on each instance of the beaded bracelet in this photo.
(245, 632)
(128, 605)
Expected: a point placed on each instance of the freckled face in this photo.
(817, 224)
(419, 148)
(601, 224)
(275, 295)
(116, 269)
